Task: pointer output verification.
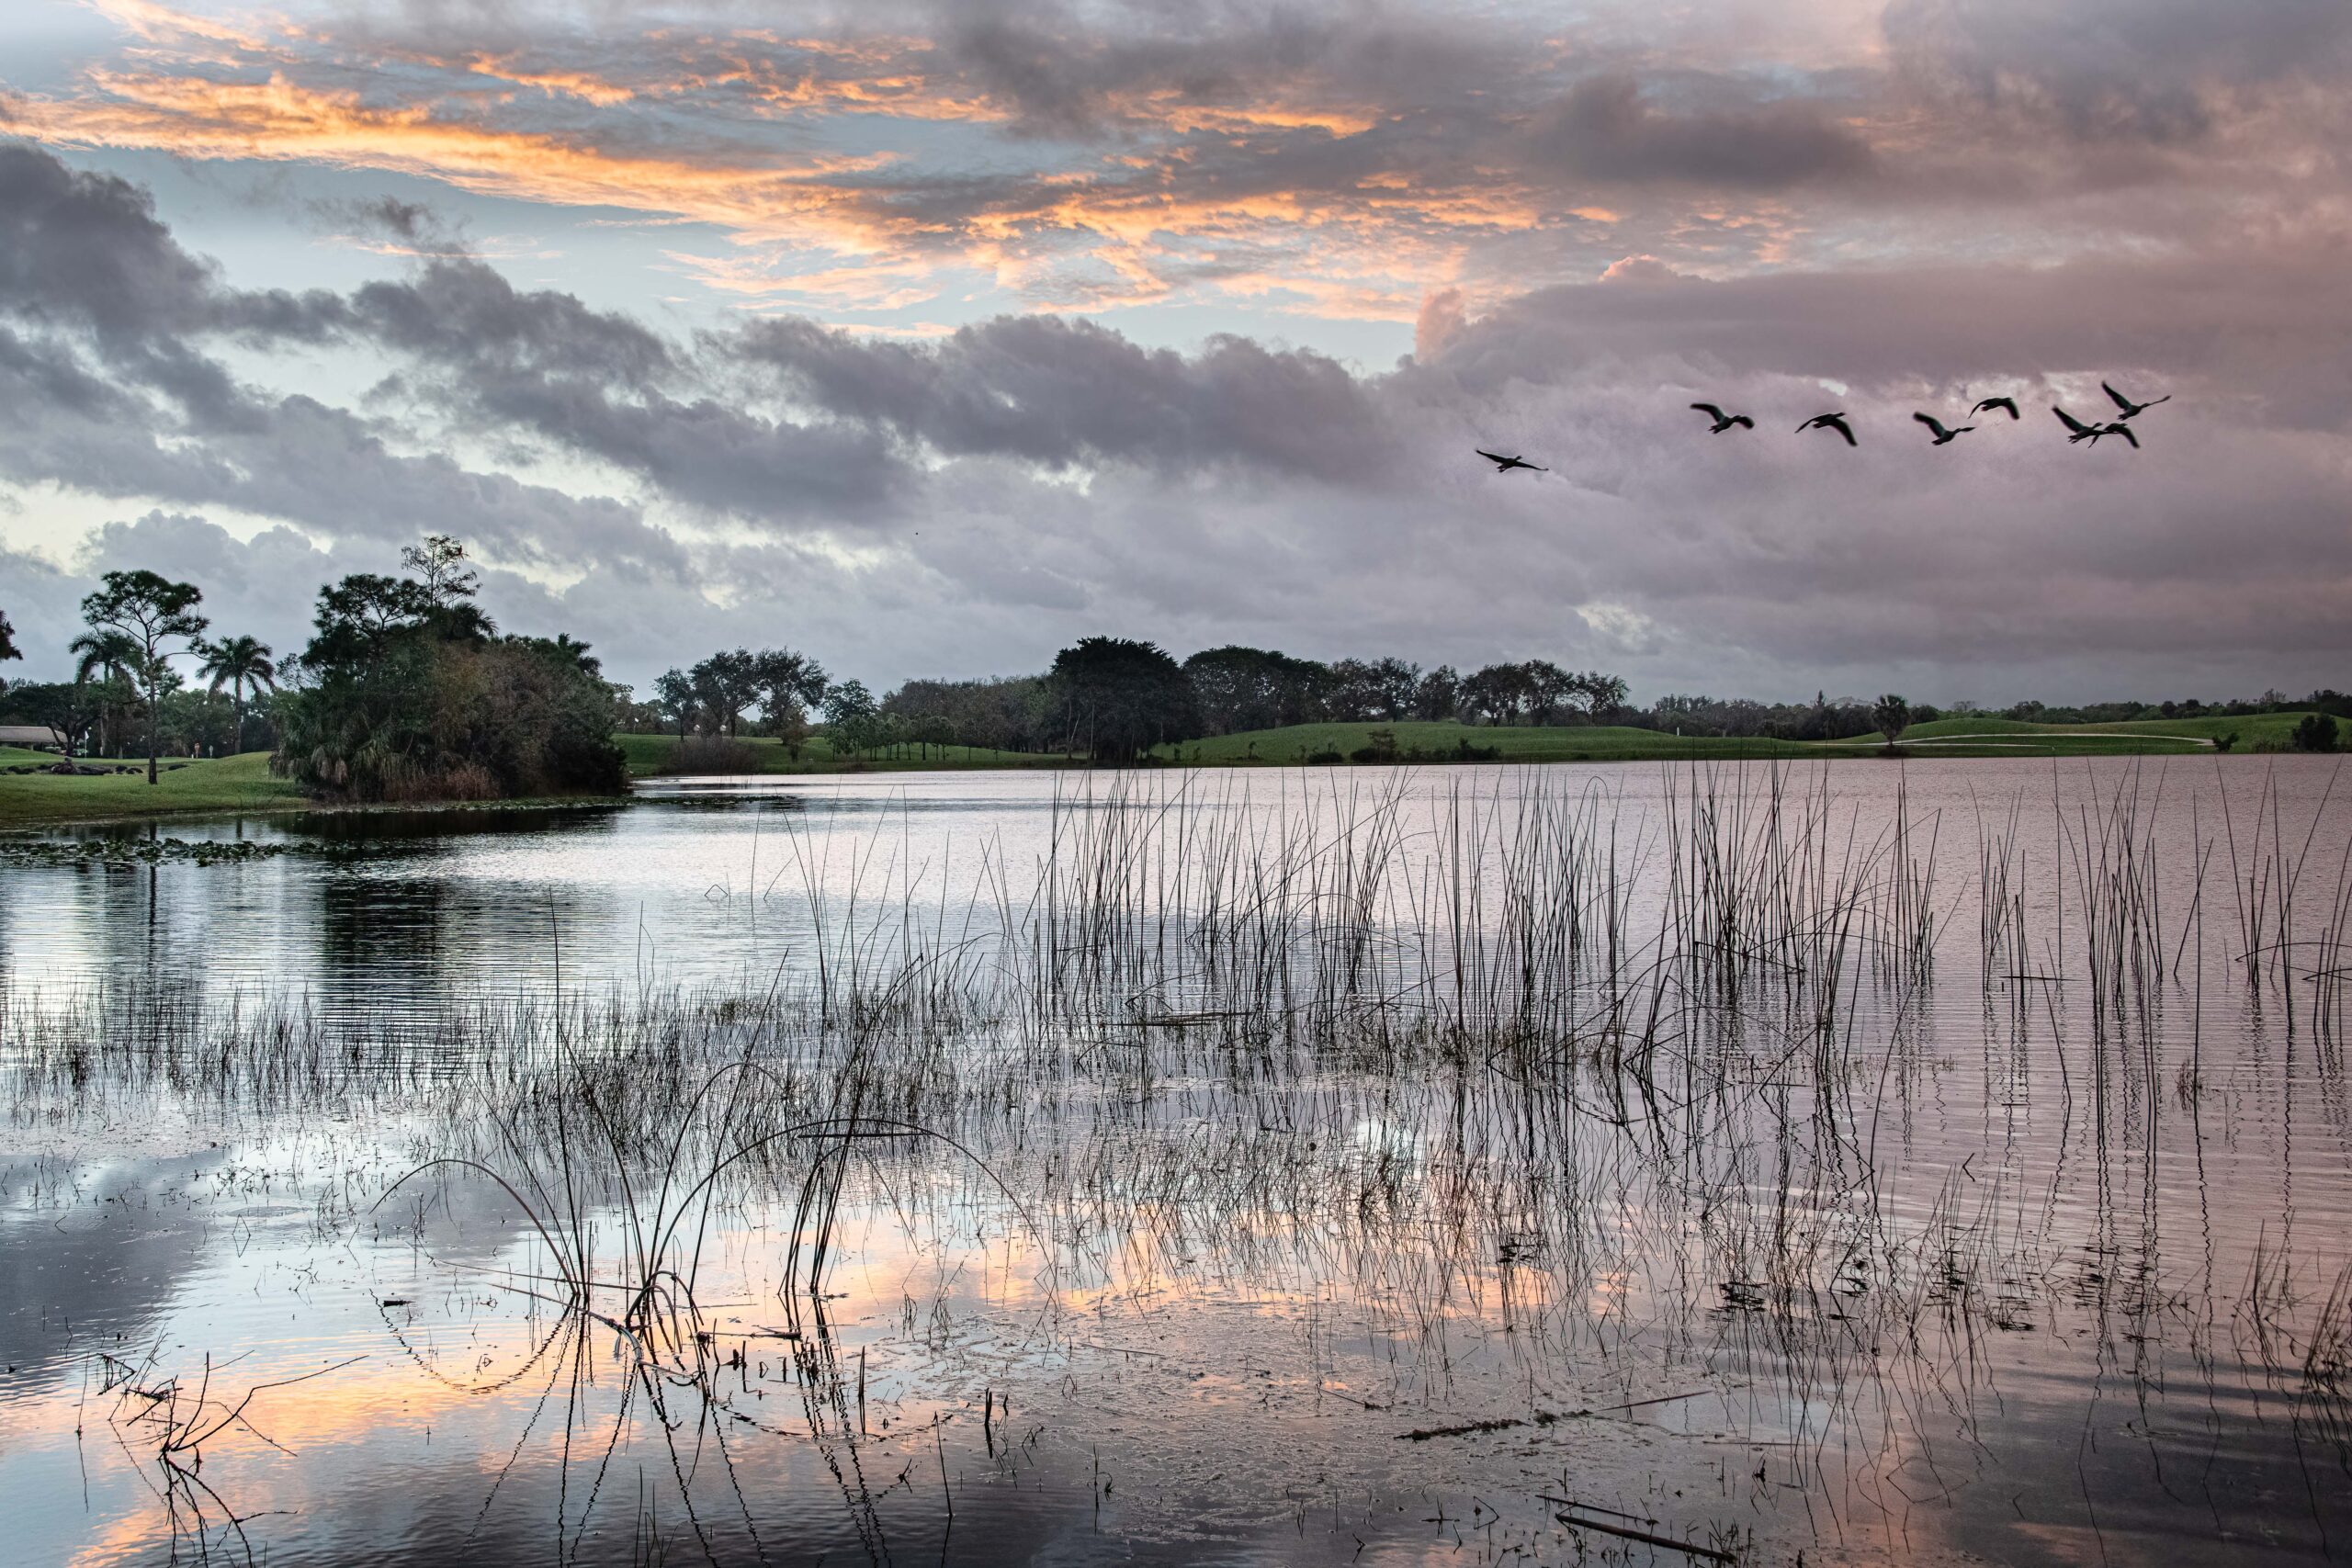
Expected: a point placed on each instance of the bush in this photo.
(2315, 733)
(410, 696)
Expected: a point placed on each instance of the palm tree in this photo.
(1891, 715)
(236, 662)
(575, 650)
(108, 655)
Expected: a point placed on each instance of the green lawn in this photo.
(1961, 736)
(649, 755)
(227, 784)
(2256, 732)
(1597, 743)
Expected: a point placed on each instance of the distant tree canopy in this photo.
(8, 644)
(69, 707)
(1015, 714)
(407, 692)
(1236, 688)
(1115, 698)
(712, 697)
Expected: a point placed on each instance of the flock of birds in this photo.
(1939, 432)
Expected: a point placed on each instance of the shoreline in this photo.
(213, 789)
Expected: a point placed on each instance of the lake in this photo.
(1861, 1162)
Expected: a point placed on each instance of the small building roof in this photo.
(30, 735)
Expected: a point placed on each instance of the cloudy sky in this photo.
(925, 338)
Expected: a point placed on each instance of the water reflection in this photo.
(1390, 1169)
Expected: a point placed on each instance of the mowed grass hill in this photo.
(1965, 736)
(242, 784)
(221, 785)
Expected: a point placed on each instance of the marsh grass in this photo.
(1641, 1086)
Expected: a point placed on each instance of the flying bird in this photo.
(2128, 406)
(1504, 464)
(2077, 429)
(1724, 421)
(2118, 428)
(1943, 435)
(1835, 422)
(2008, 403)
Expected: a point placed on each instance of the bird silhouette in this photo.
(2117, 428)
(1943, 435)
(2128, 406)
(1835, 422)
(1724, 421)
(2077, 429)
(1504, 464)
(2008, 403)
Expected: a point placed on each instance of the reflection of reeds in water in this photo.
(1640, 1085)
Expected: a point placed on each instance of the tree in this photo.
(1549, 689)
(438, 566)
(1117, 698)
(152, 613)
(577, 651)
(1891, 716)
(1499, 693)
(236, 662)
(673, 693)
(725, 684)
(787, 683)
(1393, 683)
(1439, 695)
(1362, 689)
(108, 656)
(850, 715)
(71, 708)
(1603, 695)
(8, 644)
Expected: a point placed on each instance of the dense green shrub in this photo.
(407, 693)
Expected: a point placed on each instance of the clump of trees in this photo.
(1001, 714)
(713, 698)
(407, 692)
(1114, 698)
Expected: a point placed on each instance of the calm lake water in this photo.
(1935, 1162)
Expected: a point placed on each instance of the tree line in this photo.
(406, 690)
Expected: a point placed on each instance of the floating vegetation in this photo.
(125, 852)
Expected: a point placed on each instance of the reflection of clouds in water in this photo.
(92, 1253)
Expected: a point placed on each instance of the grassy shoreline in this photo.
(243, 785)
